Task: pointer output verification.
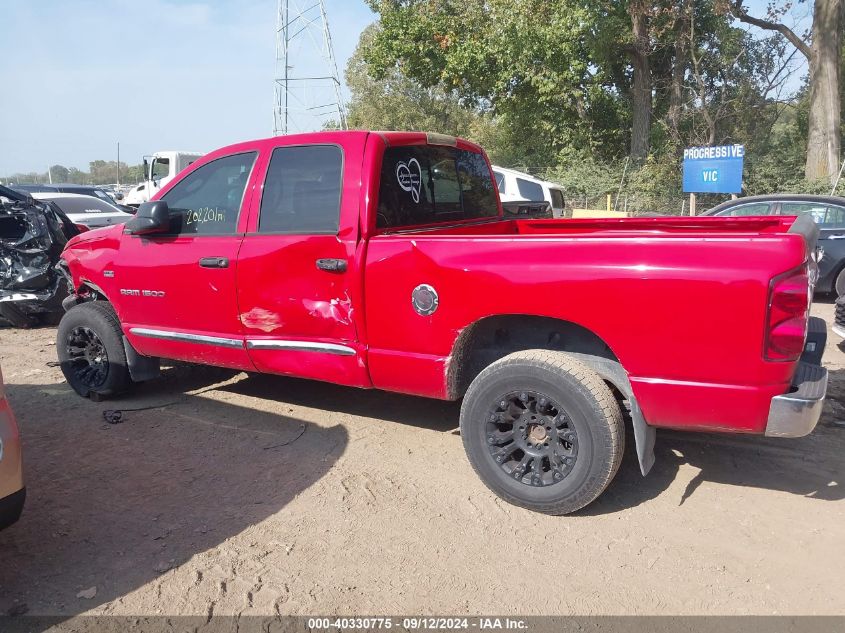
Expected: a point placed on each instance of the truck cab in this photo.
(160, 169)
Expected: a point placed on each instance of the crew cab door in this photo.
(177, 290)
(298, 282)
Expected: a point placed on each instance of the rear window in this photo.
(426, 184)
(530, 190)
(86, 204)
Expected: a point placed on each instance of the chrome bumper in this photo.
(795, 414)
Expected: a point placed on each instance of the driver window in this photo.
(207, 201)
(161, 167)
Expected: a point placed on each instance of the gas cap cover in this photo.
(425, 300)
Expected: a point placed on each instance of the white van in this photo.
(516, 185)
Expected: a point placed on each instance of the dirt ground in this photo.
(265, 495)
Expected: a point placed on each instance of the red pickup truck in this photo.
(383, 260)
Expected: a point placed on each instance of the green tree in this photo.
(823, 51)
(525, 62)
(395, 102)
(60, 173)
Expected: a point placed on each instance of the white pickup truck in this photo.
(159, 169)
(515, 186)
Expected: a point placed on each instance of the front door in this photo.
(178, 296)
(296, 268)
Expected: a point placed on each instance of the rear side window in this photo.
(530, 190)
(500, 181)
(826, 216)
(754, 208)
(558, 201)
(835, 218)
(207, 201)
(302, 190)
(427, 184)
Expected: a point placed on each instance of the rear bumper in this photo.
(11, 466)
(796, 413)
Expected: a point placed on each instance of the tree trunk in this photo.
(823, 137)
(641, 89)
(679, 67)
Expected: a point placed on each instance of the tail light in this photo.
(82, 228)
(788, 315)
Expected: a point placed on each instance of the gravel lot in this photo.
(266, 495)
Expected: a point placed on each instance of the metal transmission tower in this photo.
(307, 84)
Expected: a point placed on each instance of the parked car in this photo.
(85, 210)
(12, 491)
(516, 186)
(827, 211)
(32, 236)
(82, 190)
(383, 260)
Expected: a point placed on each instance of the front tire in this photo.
(91, 353)
(543, 431)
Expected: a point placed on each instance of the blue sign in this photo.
(713, 169)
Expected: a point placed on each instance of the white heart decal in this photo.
(409, 177)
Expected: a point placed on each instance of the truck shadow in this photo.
(437, 415)
(810, 466)
(114, 506)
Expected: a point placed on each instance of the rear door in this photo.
(178, 297)
(297, 275)
(830, 219)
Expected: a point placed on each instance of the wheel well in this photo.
(91, 292)
(492, 338)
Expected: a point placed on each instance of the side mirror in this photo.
(152, 217)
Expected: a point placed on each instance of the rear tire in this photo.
(543, 431)
(91, 353)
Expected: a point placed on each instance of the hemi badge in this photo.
(108, 273)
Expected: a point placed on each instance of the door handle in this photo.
(332, 265)
(214, 262)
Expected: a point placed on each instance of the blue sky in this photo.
(81, 75)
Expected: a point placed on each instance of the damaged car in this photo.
(32, 237)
